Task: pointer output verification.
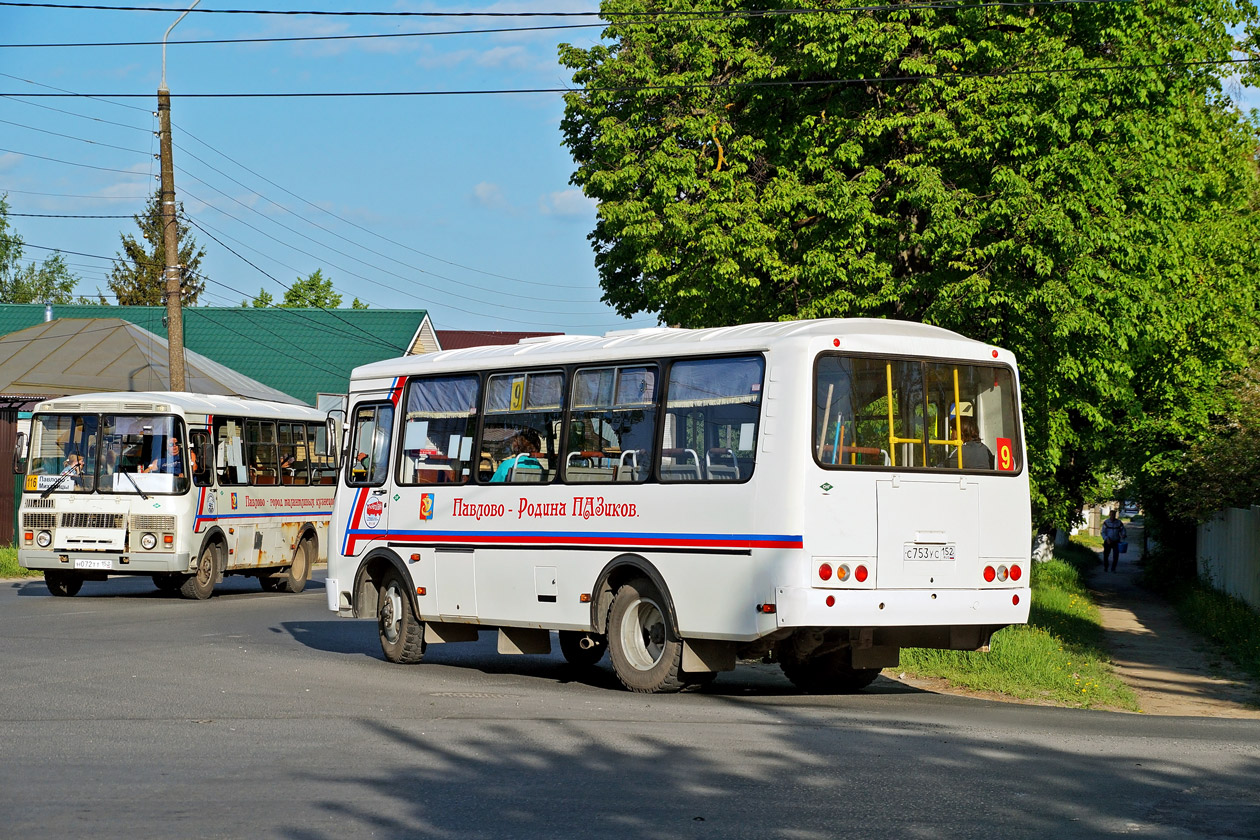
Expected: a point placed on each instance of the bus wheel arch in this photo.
(293, 577)
(643, 644)
(200, 584)
(615, 574)
(371, 576)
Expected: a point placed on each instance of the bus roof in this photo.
(179, 402)
(853, 334)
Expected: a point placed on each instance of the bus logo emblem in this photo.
(372, 513)
(426, 506)
(233, 501)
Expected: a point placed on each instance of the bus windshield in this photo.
(915, 414)
(120, 453)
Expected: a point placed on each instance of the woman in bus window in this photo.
(524, 447)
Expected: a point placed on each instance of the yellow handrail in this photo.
(893, 440)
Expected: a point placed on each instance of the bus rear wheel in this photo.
(401, 632)
(578, 656)
(830, 673)
(295, 577)
(646, 653)
(199, 585)
(63, 584)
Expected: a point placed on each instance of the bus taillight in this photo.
(1016, 573)
(989, 574)
(824, 571)
(860, 574)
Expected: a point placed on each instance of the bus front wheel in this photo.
(831, 673)
(646, 653)
(199, 585)
(401, 632)
(63, 584)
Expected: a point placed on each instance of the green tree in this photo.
(136, 278)
(316, 292)
(1067, 181)
(50, 281)
(261, 300)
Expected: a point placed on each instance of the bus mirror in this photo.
(19, 454)
(335, 420)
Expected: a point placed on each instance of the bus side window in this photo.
(368, 463)
(201, 453)
(713, 408)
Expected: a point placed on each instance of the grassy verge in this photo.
(1059, 656)
(1228, 622)
(9, 565)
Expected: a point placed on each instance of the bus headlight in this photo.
(43, 539)
(148, 542)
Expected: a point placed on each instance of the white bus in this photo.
(816, 493)
(184, 487)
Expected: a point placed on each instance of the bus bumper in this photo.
(109, 563)
(802, 606)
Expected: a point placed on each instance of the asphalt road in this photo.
(129, 713)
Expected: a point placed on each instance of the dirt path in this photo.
(1172, 671)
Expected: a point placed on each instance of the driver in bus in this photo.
(172, 462)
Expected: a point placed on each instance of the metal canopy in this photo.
(89, 355)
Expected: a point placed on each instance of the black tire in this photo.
(401, 632)
(197, 587)
(63, 584)
(578, 656)
(646, 652)
(295, 577)
(168, 583)
(831, 673)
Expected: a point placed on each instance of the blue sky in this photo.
(456, 204)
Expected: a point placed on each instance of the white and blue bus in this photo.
(185, 488)
(819, 493)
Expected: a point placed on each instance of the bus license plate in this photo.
(90, 563)
(915, 551)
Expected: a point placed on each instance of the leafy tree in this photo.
(316, 292)
(262, 300)
(137, 274)
(50, 281)
(1067, 181)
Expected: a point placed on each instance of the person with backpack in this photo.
(1113, 533)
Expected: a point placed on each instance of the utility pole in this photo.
(170, 229)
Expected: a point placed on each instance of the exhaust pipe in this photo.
(587, 642)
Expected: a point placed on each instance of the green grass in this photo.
(1088, 540)
(9, 565)
(1228, 622)
(1060, 656)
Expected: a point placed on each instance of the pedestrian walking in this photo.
(1113, 533)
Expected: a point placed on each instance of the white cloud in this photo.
(9, 159)
(491, 196)
(566, 203)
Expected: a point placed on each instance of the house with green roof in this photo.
(302, 352)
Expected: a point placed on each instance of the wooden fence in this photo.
(1227, 548)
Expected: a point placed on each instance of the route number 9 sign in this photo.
(1005, 455)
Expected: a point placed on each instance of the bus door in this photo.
(363, 520)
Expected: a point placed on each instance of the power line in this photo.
(72, 137)
(65, 216)
(334, 233)
(71, 113)
(368, 230)
(607, 15)
(72, 163)
(72, 195)
(714, 86)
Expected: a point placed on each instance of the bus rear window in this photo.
(915, 414)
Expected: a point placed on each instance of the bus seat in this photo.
(680, 465)
(716, 467)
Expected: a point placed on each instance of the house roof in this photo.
(459, 339)
(302, 352)
(89, 355)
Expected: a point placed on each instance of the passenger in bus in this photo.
(975, 455)
(524, 446)
(172, 462)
